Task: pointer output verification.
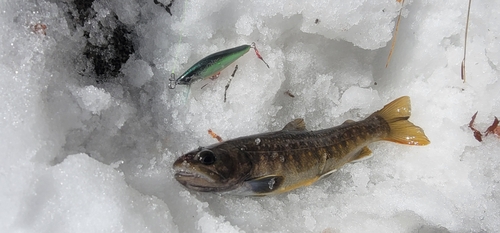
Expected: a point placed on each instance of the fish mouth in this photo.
(195, 180)
(189, 174)
(196, 177)
(198, 180)
(185, 174)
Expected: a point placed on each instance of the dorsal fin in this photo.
(348, 122)
(295, 125)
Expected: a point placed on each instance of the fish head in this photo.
(214, 169)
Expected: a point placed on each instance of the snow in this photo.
(90, 128)
(93, 99)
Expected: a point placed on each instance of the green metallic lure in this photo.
(212, 64)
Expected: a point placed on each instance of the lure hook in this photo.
(172, 82)
(254, 47)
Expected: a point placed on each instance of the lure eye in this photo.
(187, 80)
(206, 157)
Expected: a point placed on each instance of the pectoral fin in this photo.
(261, 185)
(363, 154)
(295, 125)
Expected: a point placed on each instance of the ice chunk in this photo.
(83, 193)
(93, 99)
(126, 10)
(359, 98)
(137, 72)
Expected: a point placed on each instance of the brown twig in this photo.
(229, 82)
(287, 92)
(394, 37)
(465, 42)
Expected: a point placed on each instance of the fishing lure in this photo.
(212, 64)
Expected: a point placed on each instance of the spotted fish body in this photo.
(277, 162)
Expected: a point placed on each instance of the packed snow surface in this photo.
(90, 129)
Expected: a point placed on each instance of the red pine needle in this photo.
(214, 135)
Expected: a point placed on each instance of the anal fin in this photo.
(363, 154)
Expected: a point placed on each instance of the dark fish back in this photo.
(299, 154)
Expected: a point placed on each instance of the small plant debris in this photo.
(465, 43)
(39, 28)
(494, 128)
(229, 82)
(167, 7)
(395, 34)
(214, 135)
(287, 92)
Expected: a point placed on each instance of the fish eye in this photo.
(206, 157)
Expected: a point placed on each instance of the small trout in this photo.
(277, 162)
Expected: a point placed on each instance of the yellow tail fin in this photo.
(396, 113)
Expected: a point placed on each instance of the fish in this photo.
(281, 161)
